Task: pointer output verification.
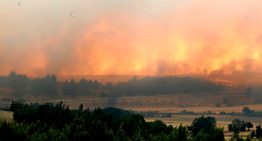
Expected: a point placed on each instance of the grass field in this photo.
(6, 115)
(228, 109)
(222, 121)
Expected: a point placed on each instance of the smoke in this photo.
(131, 37)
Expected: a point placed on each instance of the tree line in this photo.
(246, 111)
(22, 86)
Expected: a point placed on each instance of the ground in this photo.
(6, 115)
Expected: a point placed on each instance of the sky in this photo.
(130, 37)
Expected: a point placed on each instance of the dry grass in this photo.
(257, 107)
(6, 115)
(222, 121)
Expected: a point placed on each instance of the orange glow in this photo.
(202, 37)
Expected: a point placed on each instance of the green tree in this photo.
(247, 112)
(236, 137)
(253, 134)
(248, 138)
(206, 124)
(258, 132)
(179, 134)
(237, 125)
(201, 136)
(249, 125)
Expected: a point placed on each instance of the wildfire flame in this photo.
(195, 37)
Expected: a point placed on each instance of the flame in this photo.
(199, 37)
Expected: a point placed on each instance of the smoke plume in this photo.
(131, 37)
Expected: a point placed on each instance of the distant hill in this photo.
(237, 78)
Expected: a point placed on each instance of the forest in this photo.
(20, 86)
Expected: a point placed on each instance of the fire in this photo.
(197, 37)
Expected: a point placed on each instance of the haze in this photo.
(132, 37)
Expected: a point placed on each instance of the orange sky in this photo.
(130, 37)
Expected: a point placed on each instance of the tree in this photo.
(230, 127)
(180, 133)
(248, 138)
(249, 125)
(46, 86)
(69, 88)
(236, 137)
(206, 124)
(217, 135)
(258, 132)
(18, 83)
(157, 126)
(252, 134)
(247, 112)
(237, 125)
(201, 136)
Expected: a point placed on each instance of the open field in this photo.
(6, 115)
(168, 102)
(222, 121)
(257, 107)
